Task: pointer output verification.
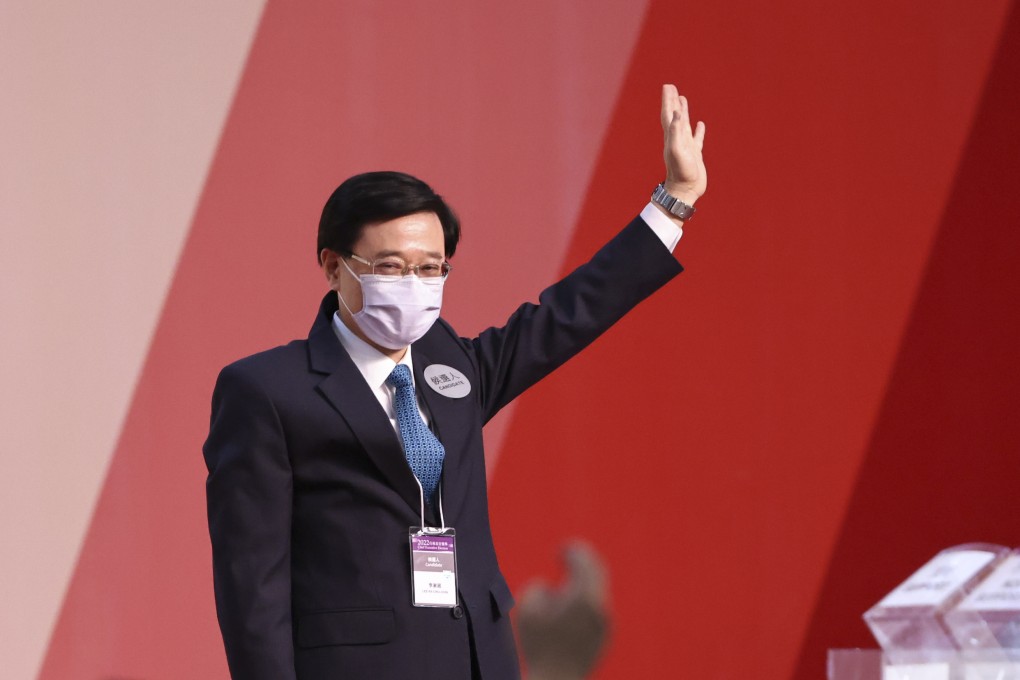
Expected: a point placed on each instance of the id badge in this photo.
(433, 567)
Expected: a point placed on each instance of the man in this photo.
(338, 464)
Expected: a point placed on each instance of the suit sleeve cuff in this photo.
(668, 231)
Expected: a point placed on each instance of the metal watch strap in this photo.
(671, 203)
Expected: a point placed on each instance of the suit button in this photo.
(457, 612)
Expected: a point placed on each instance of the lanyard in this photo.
(442, 520)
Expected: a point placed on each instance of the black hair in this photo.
(374, 197)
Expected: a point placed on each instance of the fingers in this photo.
(537, 598)
(699, 135)
(685, 117)
(682, 121)
(670, 103)
(587, 572)
(680, 127)
(676, 111)
(586, 580)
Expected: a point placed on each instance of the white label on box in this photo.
(933, 582)
(999, 592)
(916, 671)
(1004, 670)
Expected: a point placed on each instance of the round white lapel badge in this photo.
(447, 381)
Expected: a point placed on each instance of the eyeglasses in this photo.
(394, 266)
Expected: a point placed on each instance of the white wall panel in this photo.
(109, 118)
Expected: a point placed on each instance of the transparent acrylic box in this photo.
(956, 618)
(986, 625)
(909, 622)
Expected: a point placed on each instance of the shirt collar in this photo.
(373, 364)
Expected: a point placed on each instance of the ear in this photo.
(330, 262)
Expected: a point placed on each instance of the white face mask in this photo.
(396, 310)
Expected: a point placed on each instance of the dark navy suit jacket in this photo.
(310, 496)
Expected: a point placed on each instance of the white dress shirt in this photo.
(375, 367)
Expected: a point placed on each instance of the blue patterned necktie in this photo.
(423, 450)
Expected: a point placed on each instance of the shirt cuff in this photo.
(668, 231)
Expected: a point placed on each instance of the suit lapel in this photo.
(345, 388)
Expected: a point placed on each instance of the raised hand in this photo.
(563, 630)
(686, 177)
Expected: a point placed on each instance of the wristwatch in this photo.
(671, 203)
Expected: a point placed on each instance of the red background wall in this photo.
(821, 402)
